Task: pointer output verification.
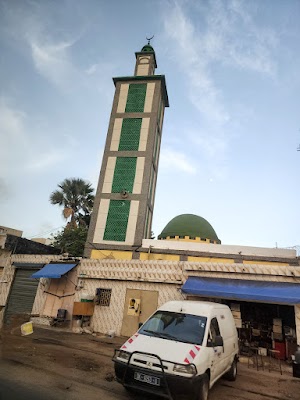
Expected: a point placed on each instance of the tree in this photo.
(71, 240)
(76, 197)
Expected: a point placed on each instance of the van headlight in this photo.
(185, 369)
(124, 355)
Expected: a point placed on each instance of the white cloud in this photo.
(13, 136)
(216, 36)
(21, 148)
(53, 61)
(175, 160)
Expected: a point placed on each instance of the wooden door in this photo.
(139, 305)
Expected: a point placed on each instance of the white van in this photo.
(180, 351)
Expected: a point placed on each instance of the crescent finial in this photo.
(149, 39)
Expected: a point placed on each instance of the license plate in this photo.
(152, 380)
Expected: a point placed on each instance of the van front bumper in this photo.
(171, 386)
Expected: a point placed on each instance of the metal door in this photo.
(139, 305)
(22, 294)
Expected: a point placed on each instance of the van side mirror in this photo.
(140, 324)
(219, 341)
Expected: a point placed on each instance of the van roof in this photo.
(194, 307)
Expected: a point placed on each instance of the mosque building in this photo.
(188, 258)
(128, 274)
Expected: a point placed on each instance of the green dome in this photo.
(189, 225)
(148, 48)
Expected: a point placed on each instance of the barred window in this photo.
(117, 220)
(103, 297)
(124, 174)
(136, 97)
(130, 134)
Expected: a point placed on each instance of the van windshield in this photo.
(180, 327)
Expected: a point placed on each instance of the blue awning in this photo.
(237, 289)
(53, 270)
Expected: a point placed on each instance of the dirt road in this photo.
(54, 365)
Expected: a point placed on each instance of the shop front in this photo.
(264, 311)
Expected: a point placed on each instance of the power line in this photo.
(45, 233)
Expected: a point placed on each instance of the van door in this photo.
(216, 353)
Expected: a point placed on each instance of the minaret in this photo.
(124, 202)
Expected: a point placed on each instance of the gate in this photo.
(22, 294)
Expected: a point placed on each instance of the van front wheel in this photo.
(203, 395)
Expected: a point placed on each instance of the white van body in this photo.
(180, 351)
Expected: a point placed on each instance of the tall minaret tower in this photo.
(124, 202)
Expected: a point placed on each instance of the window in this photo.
(130, 134)
(179, 327)
(117, 220)
(103, 297)
(136, 97)
(124, 174)
(214, 331)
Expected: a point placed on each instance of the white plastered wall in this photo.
(109, 174)
(149, 97)
(123, 97)
(116, 134)
(144, 134)
(101, 221)
(110, 318)
(139, 173)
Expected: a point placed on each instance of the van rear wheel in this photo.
(203, 395)
(231, 374)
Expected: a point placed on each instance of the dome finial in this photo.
(149, 39)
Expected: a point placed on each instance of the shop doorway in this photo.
(262, 325)
(266, 326)
(139, 305)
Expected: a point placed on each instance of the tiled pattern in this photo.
(117, 220)
(124, 174)
(136, 97)
(130, 134)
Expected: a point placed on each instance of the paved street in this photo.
(55, 365)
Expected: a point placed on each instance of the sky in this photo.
(230, 136)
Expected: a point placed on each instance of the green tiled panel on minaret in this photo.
(130, 134)
(136, 97)
(117, 220)
(124, 174)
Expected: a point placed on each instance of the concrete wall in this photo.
(219, 248)
(166, 277)
(7, 278)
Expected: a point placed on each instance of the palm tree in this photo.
(76, 197)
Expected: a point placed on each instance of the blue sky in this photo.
(230, 137)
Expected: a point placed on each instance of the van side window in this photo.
(214, 331)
